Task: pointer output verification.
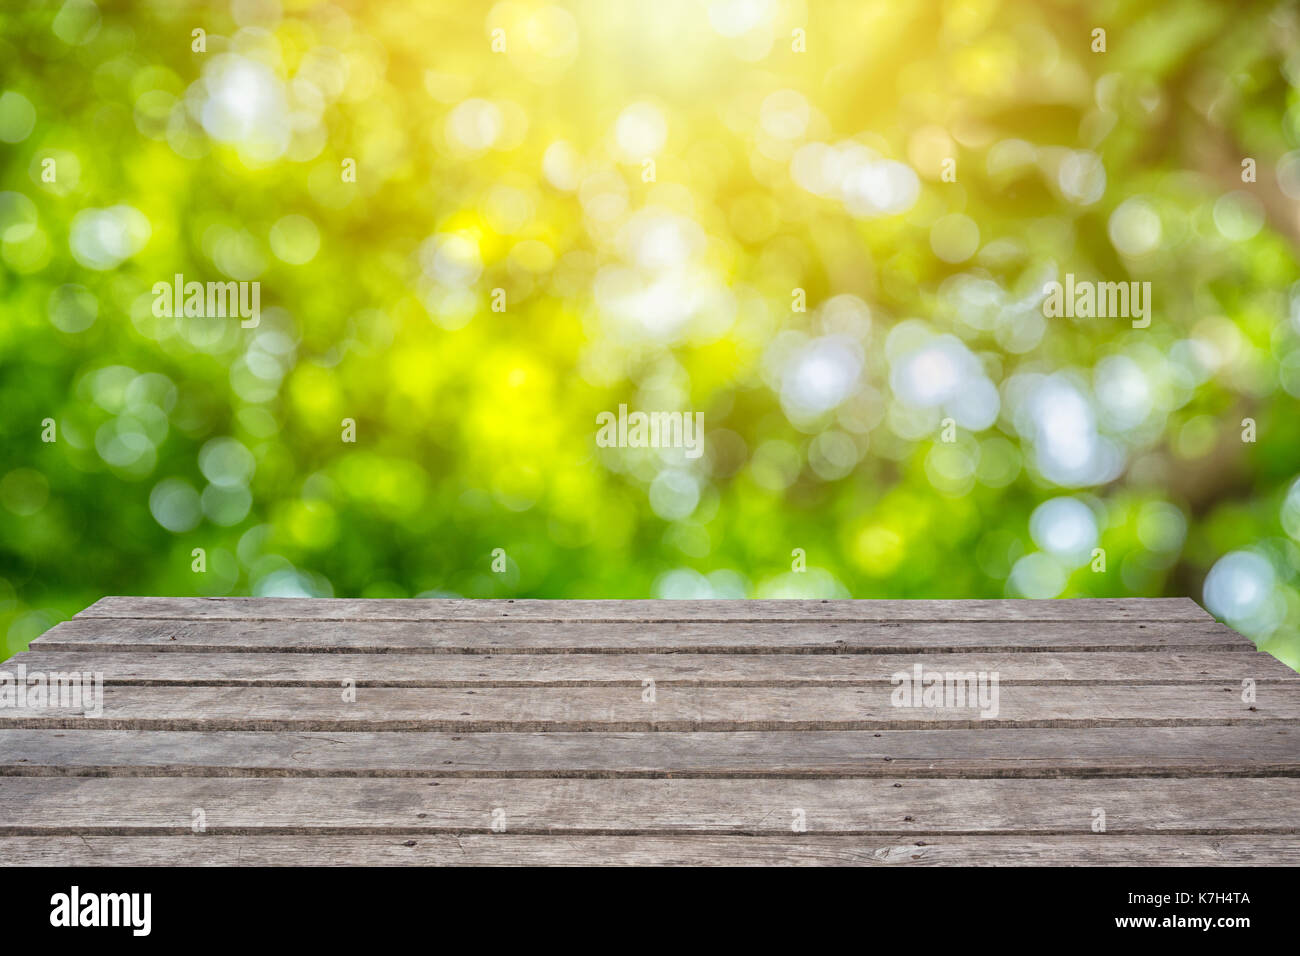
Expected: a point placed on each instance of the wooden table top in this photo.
(304, 731)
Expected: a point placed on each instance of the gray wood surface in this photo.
(135, 805)
(675, 708)
(507, 849)
(1083, 609)
(1172, 724)
(148, 666)
(1033, 752)
(533, 637)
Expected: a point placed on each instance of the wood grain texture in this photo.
(1081, 609)
(1172, 724)
(1147, 751)
(674, 709)
(136, 806)
(622, 637)
(147, 666)
(507, 849)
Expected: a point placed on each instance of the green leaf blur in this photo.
(650, 186)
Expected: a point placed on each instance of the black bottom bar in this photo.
(469, 908)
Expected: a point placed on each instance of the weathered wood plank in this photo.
(1224, 751)
(675, 708)
(530, 637)
(506, 849)
(539, 708)
(147, 666)
(410, 609)
(136, 806)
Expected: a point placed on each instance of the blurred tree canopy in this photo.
(830, 227)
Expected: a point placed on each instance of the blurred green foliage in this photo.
(649, 185)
